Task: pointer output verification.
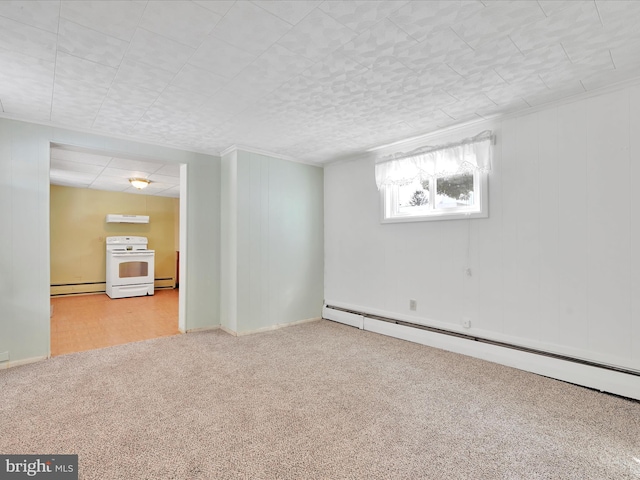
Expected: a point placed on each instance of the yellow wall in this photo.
(78, 231)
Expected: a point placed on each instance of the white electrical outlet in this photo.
(466, 322)
(413, 305)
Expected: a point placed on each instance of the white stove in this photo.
(130, 267)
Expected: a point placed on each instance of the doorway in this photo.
(86, 185)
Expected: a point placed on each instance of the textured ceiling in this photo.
(82, 169)
(311, 80)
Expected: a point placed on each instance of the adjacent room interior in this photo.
(378, 239)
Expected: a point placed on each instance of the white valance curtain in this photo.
(470, 154)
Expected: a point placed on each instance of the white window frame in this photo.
(480, 209)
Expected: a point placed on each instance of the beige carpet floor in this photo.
(313, 401)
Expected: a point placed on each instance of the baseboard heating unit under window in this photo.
(607, 378)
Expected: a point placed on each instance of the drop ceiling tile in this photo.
(83, 42)
(172, 192)
(558, 78)
(67, 165)
(496, 20)
(419, 19)
(360, 15)
(199, 80)
(164, 179)
(221, 58)
(76, 103)
(516, 104)
(487, 56)
(88, 72)
(437, 48)
(250, 28)
(600, 40)
(224, 103)
(316, 36)
(169, 170)
(37, 13)
(20, 38)
(274, 67)
(135, 75)
(551, 7)
(36, 78)
(117, 19)
(139, 165)
(125, 173)
(75, 176)
(184, 22)
(134, 96)
(521, 69)
(79, 157)
(68, 183)
(179, 100)
(575, 22)
(220, 7)
(536, 98)
(291, 11)
(158, 51)
(382, 40)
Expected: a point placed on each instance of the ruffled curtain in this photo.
(470, 154)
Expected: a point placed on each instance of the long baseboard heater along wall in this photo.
(606, 378)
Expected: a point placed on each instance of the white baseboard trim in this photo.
(18, 363)
(610, 381)
(270, 327)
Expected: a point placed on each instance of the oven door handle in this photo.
(132, 254)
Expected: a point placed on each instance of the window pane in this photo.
(413, 198)
(455, 191)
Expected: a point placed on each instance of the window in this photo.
(436, 183)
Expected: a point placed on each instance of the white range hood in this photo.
(118, 218)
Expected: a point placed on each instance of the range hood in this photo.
(118, 218)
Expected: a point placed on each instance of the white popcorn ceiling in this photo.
(309, 80)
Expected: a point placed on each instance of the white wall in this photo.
(24, 243)
(274, 210)
(552, 266)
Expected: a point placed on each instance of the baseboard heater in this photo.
(359, 320)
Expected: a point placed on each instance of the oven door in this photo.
(130, 268)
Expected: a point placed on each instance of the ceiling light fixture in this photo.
(139, 183)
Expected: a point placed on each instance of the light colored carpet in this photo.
(318, 400)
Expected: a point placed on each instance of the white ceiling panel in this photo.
(316, 36)
(27, 40)
(199, 80)
(80, 157)
(221, 57)
(42, 14)
(360, 15)
(89, 44)
(220, 7)
(60, 165)
(116, 18)
(250, 28)
(311, 80)
(184, 22)
(158, 51)
(291, 11)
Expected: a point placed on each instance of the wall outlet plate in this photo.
(466, 322)
(413, 305)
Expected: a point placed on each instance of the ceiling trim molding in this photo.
(266, 153)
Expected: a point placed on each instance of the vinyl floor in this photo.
(88, 322)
